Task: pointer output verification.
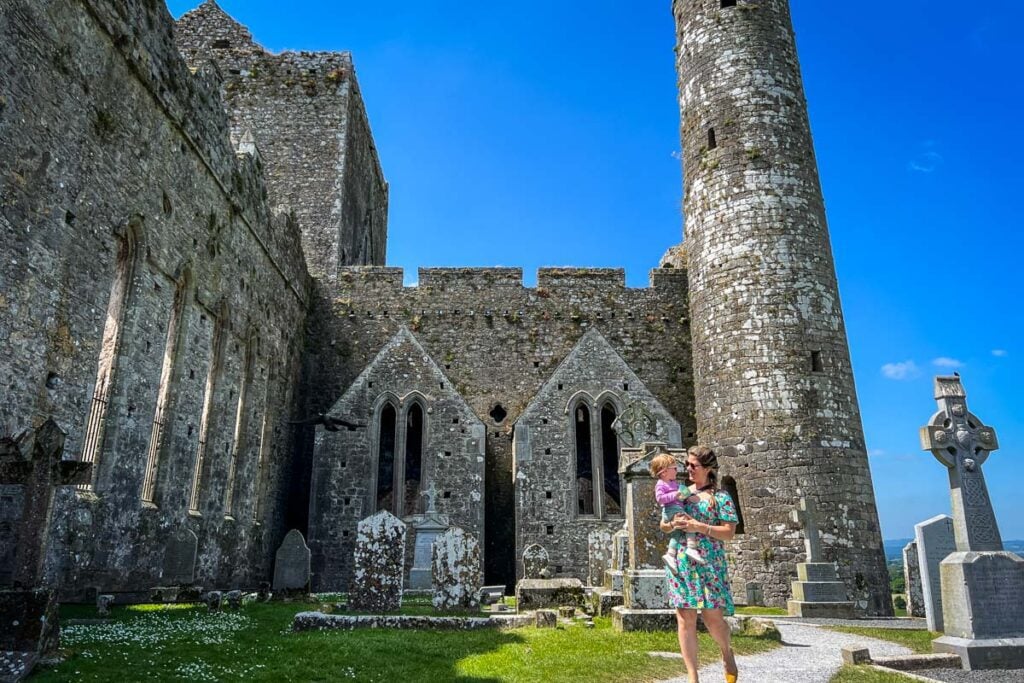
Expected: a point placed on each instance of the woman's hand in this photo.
(683, 522)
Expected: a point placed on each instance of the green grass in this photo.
(862, 674)
(762, 611)
(160, 644)
(919, 641)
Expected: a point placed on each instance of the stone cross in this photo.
(636, 425)
(961, 442)
(805, 517)
(431, 495)
(36, 475)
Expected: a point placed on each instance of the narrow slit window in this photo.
(712, 140)
(816, 365)
(729, 484)
(611, 493)
(728, 3)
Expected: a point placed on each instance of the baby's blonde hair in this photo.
(660, 462)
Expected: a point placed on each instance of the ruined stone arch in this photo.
(413, 434)
(580, 411)
(239, 444)
(130, 243)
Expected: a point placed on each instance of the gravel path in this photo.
(809, 654)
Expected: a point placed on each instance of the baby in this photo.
(668, 495)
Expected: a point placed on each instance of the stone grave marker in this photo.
(457, 573)
(379, 564)
(599, 555)
(103, 603)
(935, 542)
(535, 561)
(180, 558)
(818, 592)
(427, 528)
(982, 584)
(31, 469)
(912, 580)
(291, 565)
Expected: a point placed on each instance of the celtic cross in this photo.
(805, 517)
(961, 442)
(636, 425)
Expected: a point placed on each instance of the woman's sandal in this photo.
(731, 678)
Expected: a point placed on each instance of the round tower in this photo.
(774, 387)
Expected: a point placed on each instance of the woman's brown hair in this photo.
(709, 461)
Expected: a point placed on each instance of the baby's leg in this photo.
(691, 549)
(670, 558)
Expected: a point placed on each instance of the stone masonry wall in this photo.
(305, 113)
(498, 342)
(345, 466)
(116, 166)
(774, 386)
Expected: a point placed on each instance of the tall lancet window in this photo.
(610, 489)
(386, 458)
(584, 461)
(161, 419)
(109, 350)
(240, 442)
(413, 457)
(212, 375)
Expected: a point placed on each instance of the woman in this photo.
(704, 587)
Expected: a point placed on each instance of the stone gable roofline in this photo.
(403, 336)
(593, 280)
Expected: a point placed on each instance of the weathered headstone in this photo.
(755, 594)
(982, 584)
(535, 561)
(912, 580)
(103, 603)
(599, 555)
(379, 564)
(644, 590)
(291, 565)
(935, 542)
(31, 468)
(620, 550)
(457, 571)
(180, 558)
(213, 600)
(546, 618)
(426, 530)
(233, 599)
(818, 592)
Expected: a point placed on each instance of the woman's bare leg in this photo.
(719, 631)
(686, 619)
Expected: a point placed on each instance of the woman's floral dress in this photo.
(704, 586)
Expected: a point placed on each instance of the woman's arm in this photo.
(723, 531)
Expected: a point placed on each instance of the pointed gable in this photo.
(209, 28)
(416, 432)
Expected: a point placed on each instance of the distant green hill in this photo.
(894, 548)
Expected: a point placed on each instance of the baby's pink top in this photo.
(666, 492)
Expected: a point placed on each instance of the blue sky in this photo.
(545, 133)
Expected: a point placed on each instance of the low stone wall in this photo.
(318, 621)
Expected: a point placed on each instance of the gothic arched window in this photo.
(386, 458)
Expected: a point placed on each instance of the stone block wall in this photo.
(774, 385)
(305, 113)
(498, 342)
(143, 269)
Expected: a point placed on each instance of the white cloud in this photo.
(875, 452)
(999, 353)
(944, 362)
(904, 370)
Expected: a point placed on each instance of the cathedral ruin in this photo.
(195, 233)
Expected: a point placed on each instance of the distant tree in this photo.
(899, 602)
(897, 584)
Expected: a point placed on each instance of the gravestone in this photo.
(213, 600)
(912, 580)
(31, 468)
(457, 574)
(935, 542)
(982, 584)
(180, 558)
(233, 599)
(379, 564)
(535, 562)
(599, 556)
(755, 594)
(103, 603)
(291, 566)
(427, 528)
(817, 592)
(644, 586)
